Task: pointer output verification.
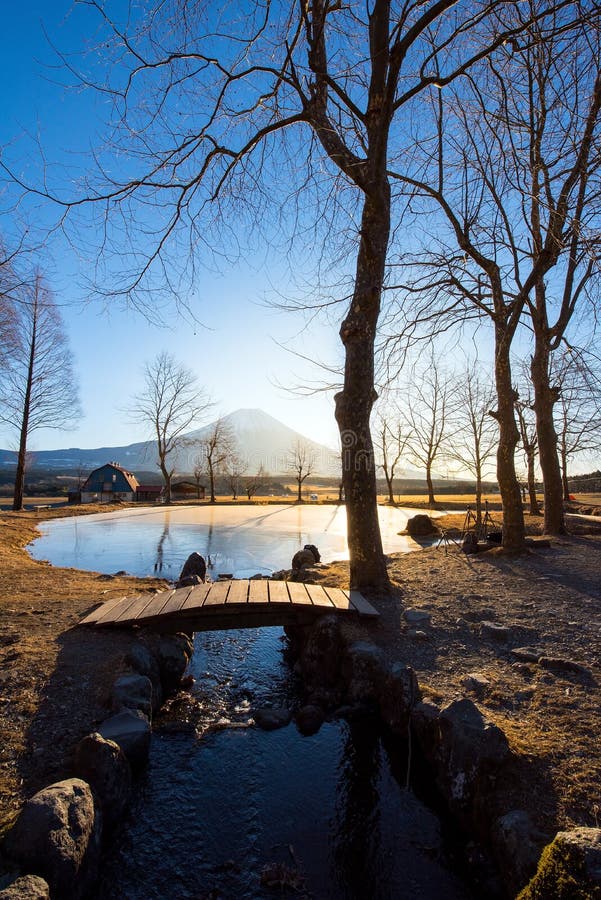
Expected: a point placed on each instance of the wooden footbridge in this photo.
(234, 603)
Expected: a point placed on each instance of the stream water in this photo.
(222, 803)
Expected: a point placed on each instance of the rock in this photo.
(517, 845)
(416, 616)
(189, 581)
(314, 551)
(476, 682)
(133, 692)
(526, 654)
(421, 526)
(301, 559)
(269, 718)
(425, 717)
(129, 729)
(363, 670)
(173, 652)
(494, 631)
(27, 887)
(469, 751)
(398, 695)
(104, 766)
(569, 868)
(309, 719)
(320, 656)
(57, 836)
(416, 634)
(142, 660)
(559, 664)
(470, 543)
(194, 565)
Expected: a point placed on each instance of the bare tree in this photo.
(527, 426)
(301, 460)
(171, 403)
(390, 442)
(508, 168)
(578, 410)
(235, 467)
(474, 429)
(254, 482)
(38, 387)
(198, 470)
(217, 448)
(219, 125)
(426, 418)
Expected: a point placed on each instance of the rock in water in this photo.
(421, 526)
(103, 765)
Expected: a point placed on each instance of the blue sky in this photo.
(235, 352)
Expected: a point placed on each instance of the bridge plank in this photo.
(278, 592)
(258, 592)
(177, 600)
(196, 597)
(362, 606)
(131, 611)
(318, 596)
(217, 594)
(155, 606)
(100, 611)
(339, 598)
(117, 613)
(238, 592)
(298, 593)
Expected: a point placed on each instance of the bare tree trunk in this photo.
(167, 477)
(211, 479)
(430, 483)
(533, 499)
(299, 498)
(354, 403)
(21, 459)
(564, 475)
(514, 532)
(544, 400)
(390, 492)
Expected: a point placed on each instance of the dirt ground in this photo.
(55, 677)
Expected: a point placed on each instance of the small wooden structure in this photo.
(222, 605)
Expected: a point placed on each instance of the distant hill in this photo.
(261, 440)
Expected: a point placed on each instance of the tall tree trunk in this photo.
(21, 459)
(167, 478)
(430, 483)
(478, 494)
(354, 403)
(299, 498)
(211, 479)
(544, 399)
(533, 499)
(514, 532)
(564, 474)
(390, 492)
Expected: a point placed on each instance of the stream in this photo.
(227, 810)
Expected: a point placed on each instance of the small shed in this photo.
(187, 490)
(110, 482)
(149, 493)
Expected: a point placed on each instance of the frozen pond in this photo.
(242, 540)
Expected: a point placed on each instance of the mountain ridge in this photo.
(261, 439)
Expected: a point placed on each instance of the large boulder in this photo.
(301, 559)
(195, 565)
(517, 844)
(471, 749)
(129, 729)
(569, 868)
(57, 835)
(26, 887)
(104, 766)
(173, 653)
(320, 656)
(363, 670)
(421, 526)
(143, 661)
(133, 692)
(399, 693)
